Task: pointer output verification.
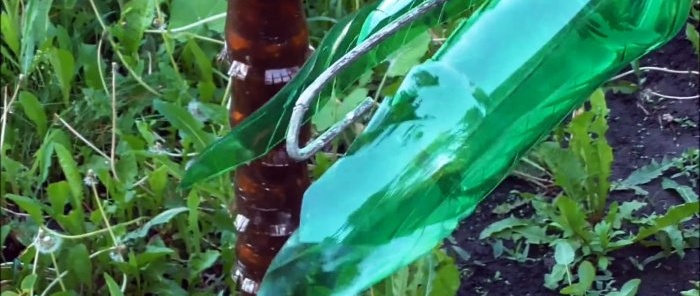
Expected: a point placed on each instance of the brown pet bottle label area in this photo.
(239, 70)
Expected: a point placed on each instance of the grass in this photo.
(104, 105)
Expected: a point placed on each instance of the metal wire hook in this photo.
(304, 101)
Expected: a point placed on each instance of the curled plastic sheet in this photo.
(264, 129)
(456, 126)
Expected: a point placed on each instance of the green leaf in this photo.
(193, 220)
(34, 111)
(446, 281)
(586, 276)
(28, 282)
(44, 155)
(674, 216)
(186, 12)
(59, 194)
(201, 261)
(199, 60)
(554, 277)
(533, 234)
(628, 289)
(564, 253)
(79, 263)
(335, 109)
(568, 171)
(622, 87)
(184, 122)
(502, 225)
(127, 167)
(9, 24)
(70, 170)
(136, 17)
(35, 26)
(645, 174)
(322, 162)
(162, 218)
(409, 55)
(572, 217)
(158, 180)
(64, 67)
(4, 232)
(675, 236)
(686, 193)
(691, 33)
(29, 205)
(153, 253)
(112, 286)
(626, 209)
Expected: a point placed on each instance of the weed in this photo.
(579, 223)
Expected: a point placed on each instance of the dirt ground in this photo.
(637, 134)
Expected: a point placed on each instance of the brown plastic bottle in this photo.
(267, 43)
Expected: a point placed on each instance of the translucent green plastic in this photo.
(455, 128)
(265, 128)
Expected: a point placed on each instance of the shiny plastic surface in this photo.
(264, 129)
(456, 126)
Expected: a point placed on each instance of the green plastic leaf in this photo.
(628, 289)
(265, 128)
(34, 111)
(686, 193)
(674, 216)
(162, 218)
(456, 126)
(112, 286)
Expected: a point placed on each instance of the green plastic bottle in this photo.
(455, 128)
